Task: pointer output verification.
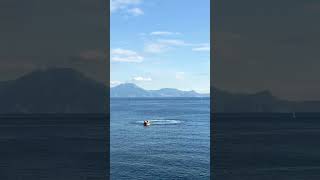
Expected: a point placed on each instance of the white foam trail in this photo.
(161, 121)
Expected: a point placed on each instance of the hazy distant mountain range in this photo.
(132, 90)
(63, 90)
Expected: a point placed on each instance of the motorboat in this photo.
(146, 123)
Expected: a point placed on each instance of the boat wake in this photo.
(161, 122)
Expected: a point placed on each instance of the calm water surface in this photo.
(267, 146)
(175, 146)
(53, 146)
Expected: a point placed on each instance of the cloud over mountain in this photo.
(124, 55)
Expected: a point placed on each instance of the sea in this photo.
(175, 146)
(53, 146)
(266, 146)
(250, 146)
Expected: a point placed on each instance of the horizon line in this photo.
(160, 88)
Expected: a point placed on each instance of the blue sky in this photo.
(161, 43)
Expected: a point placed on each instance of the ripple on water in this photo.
(161, 122)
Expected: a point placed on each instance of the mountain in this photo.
(128, 90)
(56, 90)
(224, 101)
(132, 90)
(263, 101)
(64, 90)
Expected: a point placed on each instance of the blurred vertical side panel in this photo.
(266, 90)
(54, 89)
(212, 92)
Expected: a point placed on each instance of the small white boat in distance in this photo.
(146, 123)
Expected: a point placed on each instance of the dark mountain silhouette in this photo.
(262, 101)
(56, 90)
(132, 90)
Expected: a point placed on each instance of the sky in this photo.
(160, 44)
(260, 45)
(268, 45)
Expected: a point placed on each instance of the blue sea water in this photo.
(53, 146)
(266, 146)
(175, 146)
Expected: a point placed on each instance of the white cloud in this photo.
(172, 42)
(155, 48)
(115, 83)
(160, 33)
(123, 55)
(135, 11)
(162, 45)
(126, 5)
(139, 78)
(202, 48)
(180, 75)
(116, 5)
